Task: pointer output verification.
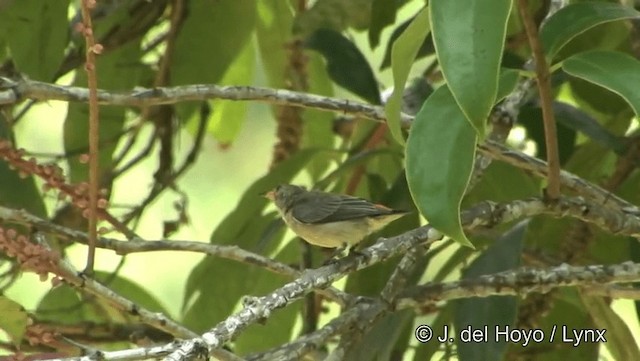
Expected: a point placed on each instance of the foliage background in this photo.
(242, 43)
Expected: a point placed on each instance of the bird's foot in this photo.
(336, 255)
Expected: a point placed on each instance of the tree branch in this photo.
(141, 97)
(522, 281)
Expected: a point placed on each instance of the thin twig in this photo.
(170, 179)
(92, 82)
(546, 101)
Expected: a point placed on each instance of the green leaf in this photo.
(493, 311)
(578, 120)
(440, 153)
(597, 101)
(228, 116)
(383, 13)
(317, 126)
(426, 48)
(345, 63)
(619, 340)
(508, 81)
(38, 32)
(491, 186)
(403, 53)
(132, 291)
(273, 31)
(14, 319)
(577, 18)
(469, 43)
(211, 37)
(63, 304)
(336, 15)
(617, 72)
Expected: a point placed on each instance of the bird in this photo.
(329, 220)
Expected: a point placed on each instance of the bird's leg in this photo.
(335, 255)
(354, 250)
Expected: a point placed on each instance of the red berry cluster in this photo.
(30, 256)
(53, 177)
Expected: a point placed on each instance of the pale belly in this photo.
(337, 234)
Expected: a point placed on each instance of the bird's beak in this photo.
(271, 195)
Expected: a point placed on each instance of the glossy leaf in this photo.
(617, 72)
(426, 48)
(574, 19)
(591, 97)
(469, 51)
(38, 32)
(14, 319)
(403, 53)
(491, 185)
(439, 155)
(508, 81)
(494, 311)
(345, 64)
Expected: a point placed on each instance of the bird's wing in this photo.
(318, 207)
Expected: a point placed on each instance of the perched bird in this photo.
(327, 219)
